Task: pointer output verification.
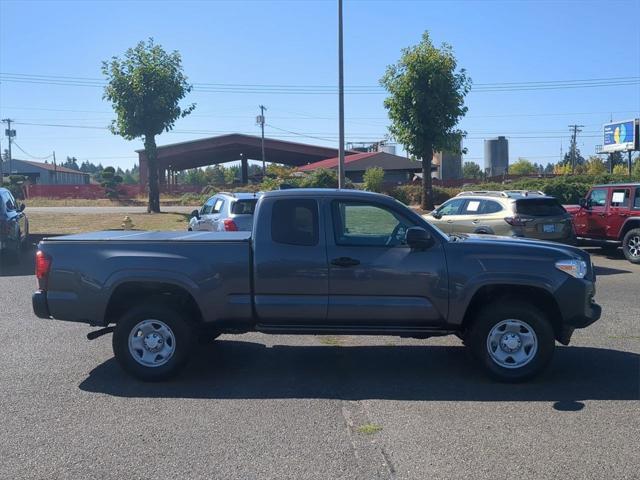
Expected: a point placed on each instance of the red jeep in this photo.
(610, 216)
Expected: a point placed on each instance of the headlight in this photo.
(575, 268)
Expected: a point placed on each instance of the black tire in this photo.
(519, 311)
(630, 245)
(182, 340)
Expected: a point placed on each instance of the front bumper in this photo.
(577, 305)
(40, 305)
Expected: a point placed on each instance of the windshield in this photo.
(539, 207)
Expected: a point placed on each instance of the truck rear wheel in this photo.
(152, 342)
(513, 340)
(631, 245)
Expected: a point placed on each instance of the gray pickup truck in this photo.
(319, 262)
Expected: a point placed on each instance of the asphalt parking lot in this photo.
(256, 406)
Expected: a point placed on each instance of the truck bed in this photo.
(152, 236)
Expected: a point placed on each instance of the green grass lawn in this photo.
(67, 223)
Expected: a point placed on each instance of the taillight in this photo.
(517, 221)
(43, 265)
(230, 225)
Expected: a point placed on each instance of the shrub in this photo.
(320, 178)
(373, 178)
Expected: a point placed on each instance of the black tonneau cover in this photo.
(153, 236)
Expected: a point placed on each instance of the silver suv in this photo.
(225, 212)
(513, 213)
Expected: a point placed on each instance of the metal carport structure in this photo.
(228, 148)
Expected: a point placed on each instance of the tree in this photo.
(72, 163)
(471, 170)
(425, 104)
(621, 169)
(595, 166)
(569, 157)
(145, 88)
(522, 167)
(373, 178)
(110, 181)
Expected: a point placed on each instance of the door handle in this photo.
(449, 221)
(623, 214)
(602, 214)
(345, 262)
(476, 221)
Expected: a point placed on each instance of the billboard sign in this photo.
(620, 136)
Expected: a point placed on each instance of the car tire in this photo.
(152, 341)
(512, 340)
(631, 245)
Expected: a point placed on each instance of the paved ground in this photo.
(258, 407)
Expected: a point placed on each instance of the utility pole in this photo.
(576, 129)
(10, 134)
(340, 100)
(261, 122)
(55, 169)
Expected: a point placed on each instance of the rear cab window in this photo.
(295, 222)
(539, 207)
(636, 199)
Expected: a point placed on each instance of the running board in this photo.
(420, 332)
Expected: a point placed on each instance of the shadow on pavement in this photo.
(24, 266)
(230, 369)
(600, 271)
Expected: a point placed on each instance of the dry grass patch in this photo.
(67, 223)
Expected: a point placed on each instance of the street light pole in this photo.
(340, 101)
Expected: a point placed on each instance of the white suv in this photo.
(225, 212)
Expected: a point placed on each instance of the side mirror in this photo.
(436, 214)
(22, 207)
(418, 237)
(196, 214)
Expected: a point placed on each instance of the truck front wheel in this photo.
(631, 245)
(512, 340)
(152, 342)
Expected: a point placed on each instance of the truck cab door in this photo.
(290, 263)
(591, 221)
(375, 279)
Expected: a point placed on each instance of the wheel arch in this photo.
(139, 291)
(629, 224)
(532, 295)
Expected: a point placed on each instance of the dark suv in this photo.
(609, 216)
(14, 226)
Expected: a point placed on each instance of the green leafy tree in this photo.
(620, 169)
(373, 179)
(471, 170)
(230, 175)
(110, 181)
(425, 103)
(522, 167)
(145, 88)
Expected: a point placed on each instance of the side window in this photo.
(295, 222)
(489, 206)
(472, 207)
(8, 201)
(208, 206)
(451, 207)
(598, 197)
(217, 206)
(620, 197)
(365, 224)
(636, 198)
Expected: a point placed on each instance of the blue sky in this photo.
(295, 43)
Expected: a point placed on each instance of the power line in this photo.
(29, 155)
(329, 89)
